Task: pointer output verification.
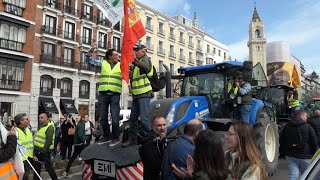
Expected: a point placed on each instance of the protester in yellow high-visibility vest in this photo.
(141, 94)
(293, 101)
(43, 146)
(25, 138)
(110, 88)
(7, 151)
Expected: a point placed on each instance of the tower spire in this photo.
(255, 16)
(195, 20)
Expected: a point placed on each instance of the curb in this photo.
(59, 172)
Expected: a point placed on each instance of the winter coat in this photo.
(314, 122)
(68, 139)
(8, 150)
(309, 142)
(151, 156)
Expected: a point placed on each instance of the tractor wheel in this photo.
(267, 137)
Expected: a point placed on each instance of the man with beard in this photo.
(152, 149)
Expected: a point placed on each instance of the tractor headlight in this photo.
(232, 96)
(170, 116)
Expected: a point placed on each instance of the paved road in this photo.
(281, 174)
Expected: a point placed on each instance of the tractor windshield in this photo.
(203, 84)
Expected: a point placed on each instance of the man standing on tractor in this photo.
(293, 101)
(243, 95)
(141, 95)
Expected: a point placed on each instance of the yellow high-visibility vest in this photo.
(40, 137)
(293, 103)
(140, 82)
(230, 87)
(26, 139)
(110, 78)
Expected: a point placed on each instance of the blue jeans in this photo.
(242, 112)
(105, 100)
(296, 166)
(140, 107)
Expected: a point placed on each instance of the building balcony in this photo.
(172, 37)
(149, 47)
(49, 30)
(88, 17)
(13, 9)
(182, 41)
(102, 45)
(86, 40)
(65, 93)
(116, 47)
(67, 63)
(172, 55)
(11, 45)
(161, 32)
(199, 48)
(199, 62)
(49, 59)
(191, 61)
(104, 22)
(70, 10)
(53, 5)
(149, 27)
(45, 91)
(85, 66)
(161, 51)
(182, 58)
(69, 35)
(190, 44)
(12, 85)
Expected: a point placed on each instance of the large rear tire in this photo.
(266, 132)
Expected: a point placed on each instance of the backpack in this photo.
(157, 83)
(294, 138)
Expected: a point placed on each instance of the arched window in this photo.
(257, 33)
(46, 85)
(66, 87)
(84, 89)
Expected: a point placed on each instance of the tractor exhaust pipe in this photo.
(168, 81)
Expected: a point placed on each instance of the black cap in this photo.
(139, 47)
(238, 74)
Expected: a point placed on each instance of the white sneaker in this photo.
(65, 174)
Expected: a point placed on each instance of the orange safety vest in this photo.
(7, 171)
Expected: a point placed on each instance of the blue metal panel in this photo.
(256, 105)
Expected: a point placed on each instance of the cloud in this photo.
(171, 7)
(301, 31)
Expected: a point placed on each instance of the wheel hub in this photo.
(270, 143)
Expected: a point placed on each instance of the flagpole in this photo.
(109, 30)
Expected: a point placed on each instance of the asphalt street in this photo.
(281, 174)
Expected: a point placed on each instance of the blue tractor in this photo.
(204, 95)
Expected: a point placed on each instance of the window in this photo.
(148, 43)
(87, 12)
(46, 85)
(11, 74)
(102, 40)
(171, 32)
(48, 49)
(181, 37)
(50, 25)
(257, 34)
(160, 47)
(5, 110)
(172, 53)
(172, 69)
(86, 35)
(161, 31)
(69, 30)
(14, 7)
(68, 56)
(208, 48)
(219, 52)
(160, 66)
(117, 26)
(116, 44)
(84, 89)
(190, 57)
(66, 87)
(12, 37)
(224, 56)
(149, 23)
(214, 50)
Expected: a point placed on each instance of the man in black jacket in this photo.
(152, 149)
(314, 121)
(298, 142)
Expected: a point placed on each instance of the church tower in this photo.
(257, 41)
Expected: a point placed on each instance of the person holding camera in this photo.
(152, 149)
(243, 97)
(43, 146)
(67, 136)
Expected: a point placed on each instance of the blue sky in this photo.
(294, 21)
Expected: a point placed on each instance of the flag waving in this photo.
(295, 78)
(133, 31)
(112, 9)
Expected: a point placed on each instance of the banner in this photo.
(112, 9)
(133, 31)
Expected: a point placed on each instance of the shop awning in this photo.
(47, 105)
(67, 106)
